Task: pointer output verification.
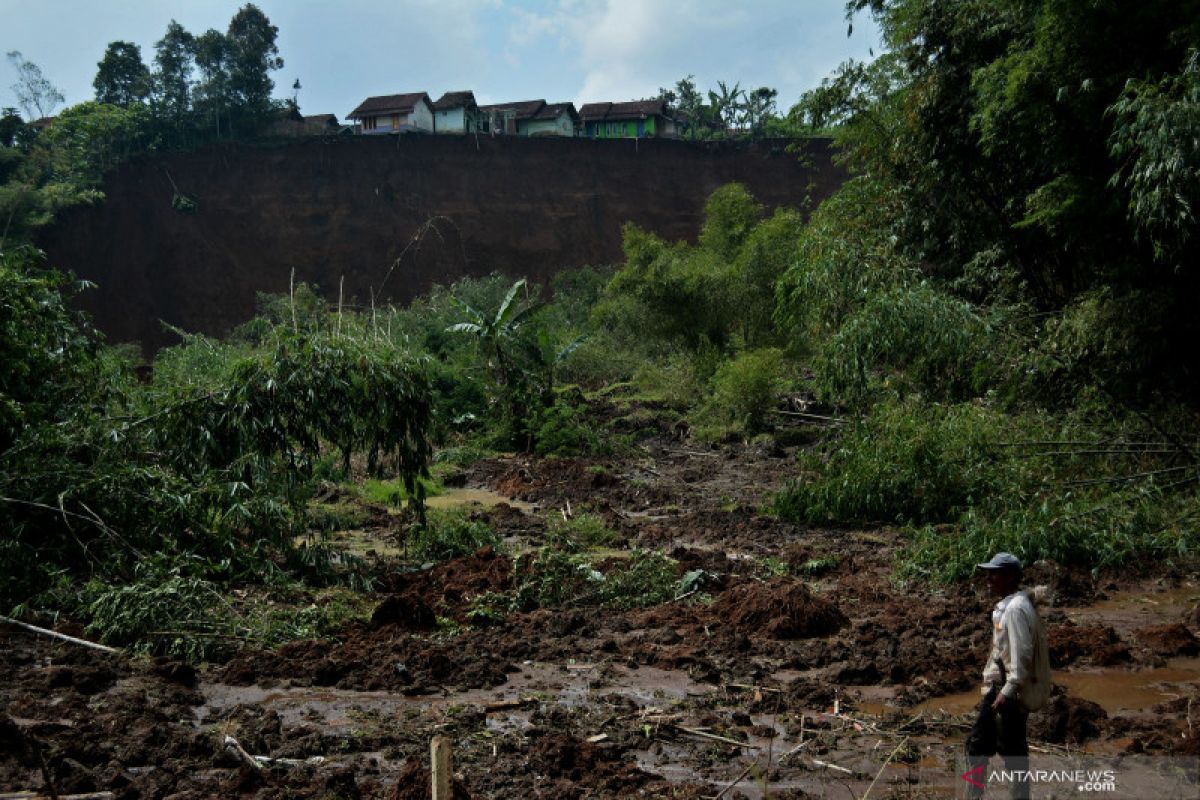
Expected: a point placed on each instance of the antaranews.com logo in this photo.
(1085, 780)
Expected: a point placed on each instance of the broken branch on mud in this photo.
(61, 636)
(714, 737)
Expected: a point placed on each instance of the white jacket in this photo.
(1020, 659)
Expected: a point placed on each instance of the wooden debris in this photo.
(504, 705)
(827, 765)
(439, 754)
(60, 636)
(737, 780)
(714, 737)
(887, 761)
(599, 737)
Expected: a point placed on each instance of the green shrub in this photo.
(562, 429)
(648, 579)
(449, 533)
(908, 461)
(160, 612)
(915, 337)
(1129, 529)
(744, 390)
(582, 531)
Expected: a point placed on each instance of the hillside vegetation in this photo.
(986, 338)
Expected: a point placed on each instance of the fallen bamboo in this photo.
(714, 737)
(737, 780)
(887, 761)
(62, 636)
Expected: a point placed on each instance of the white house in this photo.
(456, 112)
(394, 113)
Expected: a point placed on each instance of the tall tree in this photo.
(36, 95)
(212, 91)
(252, 56)
(121, 77)
(174, 57)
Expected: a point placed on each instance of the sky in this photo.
(343, 51)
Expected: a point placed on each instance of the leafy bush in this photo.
(744, 390)
(1126, 528)
(562, 429)
(449, 533)
(581, 531)
(908, 461)
(918, 335)
(556, 577)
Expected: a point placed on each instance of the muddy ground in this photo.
(799, 668)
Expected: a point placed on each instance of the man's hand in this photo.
(1000, 702)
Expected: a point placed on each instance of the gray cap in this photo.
(1002, 561)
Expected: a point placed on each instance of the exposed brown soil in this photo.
(582, 701)
(516, 205)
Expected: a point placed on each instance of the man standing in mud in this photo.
(1016, 679)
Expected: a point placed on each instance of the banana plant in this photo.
(495, 332)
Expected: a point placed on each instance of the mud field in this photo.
(799, 669)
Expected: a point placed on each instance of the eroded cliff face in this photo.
(389, 217)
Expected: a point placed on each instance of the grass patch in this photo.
(584, 531)
(393, 493)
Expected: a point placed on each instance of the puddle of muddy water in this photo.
(1114, 690)
(462, 498)
(570, 685)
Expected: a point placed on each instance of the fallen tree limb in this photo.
(62, 636)
(737, 780)
(714, 737)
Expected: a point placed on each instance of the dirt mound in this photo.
(1096, 644)
(1168, 640)
(782, 608)
(406, 611)
(448, 587)
(1067, 720)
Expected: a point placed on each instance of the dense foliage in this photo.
(1001, 296)
(213, 457)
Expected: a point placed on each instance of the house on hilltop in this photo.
(394, 113)
(552, 119)
(456, 112)
(530, 118)
(638, 119)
